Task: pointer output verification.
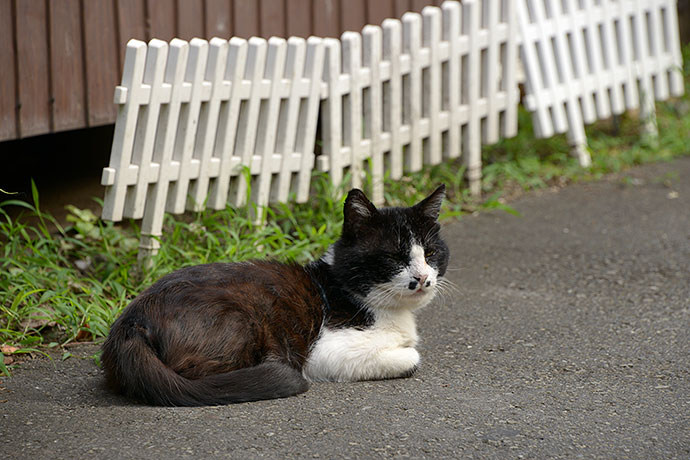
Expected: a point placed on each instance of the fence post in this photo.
(371, 57)
(392, 98)
(152, 224)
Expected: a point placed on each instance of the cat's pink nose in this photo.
(421, 279)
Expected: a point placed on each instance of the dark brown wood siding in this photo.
(61, 59)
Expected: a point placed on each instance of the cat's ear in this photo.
(431, 205)
(358, 209)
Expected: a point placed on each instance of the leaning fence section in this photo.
(197, 120)
(588, 60)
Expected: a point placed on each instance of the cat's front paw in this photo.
(402, 362)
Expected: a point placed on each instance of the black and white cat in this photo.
(225, 333)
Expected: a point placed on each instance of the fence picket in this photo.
(661, 91)
(674, 68)
(490, 77)
(432, 84)
(289, 118)
(451, 77)
(509, 64)
(188, 121)
(332, 113)
(306, 132)
(142, 151)
(412, 90)
(392, 97)
(352, 106)
(245, 142)
(152, 224)
(228, 122)
(472, 140)
(268, 122)
(373, 113)
(208, 123)
(116, 176)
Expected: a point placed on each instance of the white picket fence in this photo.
(192, 116)
(418, 91)
(197, 120)
(589, 59)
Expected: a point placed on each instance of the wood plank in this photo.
(490, 70)
(379, 10)
(268, 123)
(152, 224)
(472, 149)
(147, 124)
(412, 89)
(246, 18)
(227, 122)
(352, 106)
(218, 18)
(8, 88)
(401, 7)
(272, 18)
(161, 19)
(452, 76)
(124, 135)
(190, 20)
(331, 113)
(245, 141)
(392, 98)
(353, 14)
(102, 67)
(373, 113)
(509, 122)
(131, 24)
(32, 61)
(187, 126)
(208, 121)
(418, 5)
(432, 85)
(326, 18)
(66, 59)
(289, 116)
(298, 18)
(306, 134)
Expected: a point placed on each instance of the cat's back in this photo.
(224, 313)
(255, 284)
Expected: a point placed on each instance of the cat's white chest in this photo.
(385, 350)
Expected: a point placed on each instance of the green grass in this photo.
(61, 284)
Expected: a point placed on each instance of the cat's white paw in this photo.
(399, 362)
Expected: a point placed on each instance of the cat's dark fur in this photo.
(231, 332)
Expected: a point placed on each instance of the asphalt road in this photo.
(569, 338)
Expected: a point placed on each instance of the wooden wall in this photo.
(61, 59)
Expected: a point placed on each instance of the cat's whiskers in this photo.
(382, 296)
(446, 289)
(445, 283)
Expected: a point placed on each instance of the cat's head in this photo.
(390, 257)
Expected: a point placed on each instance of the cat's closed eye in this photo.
(429, 253)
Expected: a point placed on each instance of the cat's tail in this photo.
(133, 368)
